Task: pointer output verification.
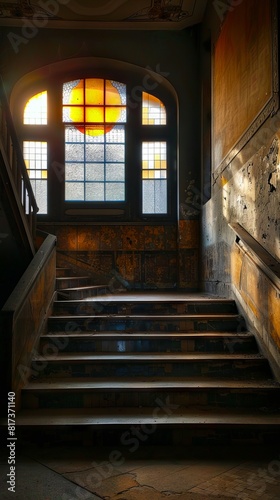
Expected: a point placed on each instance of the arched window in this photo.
(91, 150)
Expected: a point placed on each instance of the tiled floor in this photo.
(159, 473)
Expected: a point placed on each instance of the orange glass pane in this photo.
(94, 91)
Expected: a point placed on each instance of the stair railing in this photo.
(17, 175)
(259, 255)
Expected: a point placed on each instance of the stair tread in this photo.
(149, 335)
(79, 288)
(147, 356)
(147, 383)
(165, 414)
(111, 299)
(147, 316)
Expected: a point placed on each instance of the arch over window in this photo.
(101, 145)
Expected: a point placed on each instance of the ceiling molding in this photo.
(103, 14)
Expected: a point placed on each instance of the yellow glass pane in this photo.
(77, 93)
(35, 111)
(112, 94)
(95, 130)
(94, 114)
(94, 89)
(157, 156)
(163, 164)
(144, 164)
(145, 174)
(157, 164)
(151, 174)
(113, 114)
(76, 113)
(44, 174)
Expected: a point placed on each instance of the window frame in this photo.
(129, 210)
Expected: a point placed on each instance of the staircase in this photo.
(160, 367)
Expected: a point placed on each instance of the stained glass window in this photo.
(35, 156)
(154, 178)
(35, 111)
(94, 114)
(153, 110)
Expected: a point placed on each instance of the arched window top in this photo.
(111, 147)
(153, 110)
(36, 110)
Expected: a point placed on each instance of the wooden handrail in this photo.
(259, 255)
(14, 161)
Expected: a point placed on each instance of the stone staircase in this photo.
(169, 367)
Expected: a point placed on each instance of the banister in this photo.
(260, 256)
(14, 161)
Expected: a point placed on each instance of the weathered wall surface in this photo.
(141, 256)
(247, 191)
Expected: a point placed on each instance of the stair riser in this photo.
(120, 399)
(63, 272)
(124, 436)
(240, 369)
(129, 325)
(65, 282)
(91, 307)
(82, 293)
(224, 345)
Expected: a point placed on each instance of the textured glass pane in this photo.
(114, 152)
(74, 191)
(95, 191)
(35, 156)
(121, 88)
(153, 110)
(72, 134)
(115, 172)
(74, 152)
(114, 191)
(74, 171)
(95, 171)
(40, 191)
(95, 152)
(148, 197)
(35, 111)
(116, 135)
(160, 197)
(154, 199)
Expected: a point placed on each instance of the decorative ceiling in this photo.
(103, 14)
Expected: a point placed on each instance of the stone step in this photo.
(89, 393)
(78, 307)
(163, 414)
(148, 342)
(128, 323)
(82, 292)
(251, 366)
